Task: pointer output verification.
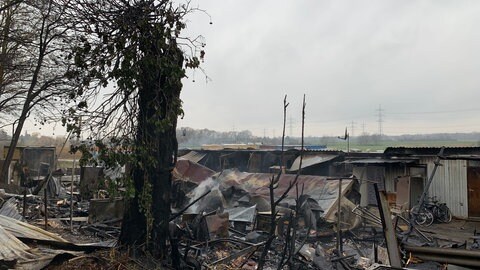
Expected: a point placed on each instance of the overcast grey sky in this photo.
(419, 60)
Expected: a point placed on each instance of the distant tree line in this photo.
(192, 138)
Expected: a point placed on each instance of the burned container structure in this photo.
(456, 182)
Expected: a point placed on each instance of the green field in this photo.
(380, 146)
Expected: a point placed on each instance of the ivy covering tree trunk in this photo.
(156, 143)
(135, 47)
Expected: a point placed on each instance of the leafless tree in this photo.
(34, 63)
(9, 4)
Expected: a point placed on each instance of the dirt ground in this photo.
(457, 231)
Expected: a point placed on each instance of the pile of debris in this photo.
(56, 206)
(231, 220)
(225, 220)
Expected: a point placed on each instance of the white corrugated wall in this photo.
(449, 184)
(391, 173)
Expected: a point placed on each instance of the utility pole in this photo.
(380, 115)
(363, 128)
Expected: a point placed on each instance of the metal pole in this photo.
(421, 202)
(348, 143)
(46, 206)
(24, 201)
(444, 251)
(339, 203)
(71, 194)
(427, 186)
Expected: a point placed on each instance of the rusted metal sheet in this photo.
(218, 225)
(193, 156)
(191, 171)
(473, 183)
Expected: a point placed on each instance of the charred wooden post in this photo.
(46, 207)
(388, 229)
(339, 207)
(24, 202)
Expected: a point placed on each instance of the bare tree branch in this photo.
(10, 4)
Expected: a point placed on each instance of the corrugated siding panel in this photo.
(391, 173)
(449, 184)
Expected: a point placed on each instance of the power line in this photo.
(438, 112)
(290, 125)
(352, 125)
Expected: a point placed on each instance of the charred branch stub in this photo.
(274, 202)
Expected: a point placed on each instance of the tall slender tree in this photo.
(33, 64)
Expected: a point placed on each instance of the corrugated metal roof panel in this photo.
(9, 209)
(13, 249)
(193, 156)
(310, 160)
(380, 161)
(432, 151)
(189, 170)
(24, 230)
(242, 214)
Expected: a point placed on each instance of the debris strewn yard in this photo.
(223, 219)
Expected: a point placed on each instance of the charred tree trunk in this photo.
(13, 145)
(147, 217)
